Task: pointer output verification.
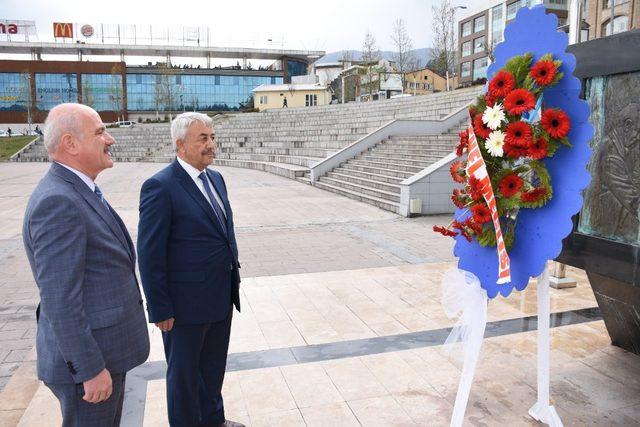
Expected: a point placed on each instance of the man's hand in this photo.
(165, 325)
(98, 389)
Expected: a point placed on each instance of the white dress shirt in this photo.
(195, 174)
(83, 177)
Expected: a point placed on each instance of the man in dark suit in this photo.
(91, 324)
(189, 267)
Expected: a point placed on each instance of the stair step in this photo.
(379, 185)
(381, 203)
(366, 190)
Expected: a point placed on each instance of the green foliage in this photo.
(519, 67)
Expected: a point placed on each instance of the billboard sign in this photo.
(87, 30)
(63, 30)
(11, 27)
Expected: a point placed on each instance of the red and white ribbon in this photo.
(478, 169)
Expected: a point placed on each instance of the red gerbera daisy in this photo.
(473, 226)
(519, 135)
(510, 185)
(444, 231)
(515, 152)
(458, 172)
(534, 195)
(490, 99)
(543, 72)
(481, 130)
(459, 198)
(481, 213)
(519, 101)
(501, 84)
(556, 122)
(464, 141)
(539, 149)
(473, 111)
(474, 188)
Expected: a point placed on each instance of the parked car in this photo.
(125, 124)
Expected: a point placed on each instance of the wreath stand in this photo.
(542, 411)
(471, 329)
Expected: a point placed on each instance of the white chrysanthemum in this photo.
(495, 143)
(493, 117)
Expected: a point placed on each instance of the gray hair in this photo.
(181, 123)
(62, 119)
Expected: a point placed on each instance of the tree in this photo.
(443, 52)
(25, 88)
(167, 90)
(403, 56)
(370, 58)
(116, 95)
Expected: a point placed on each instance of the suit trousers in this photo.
(78, 413)
(196, 363)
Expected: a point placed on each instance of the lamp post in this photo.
(453, 16)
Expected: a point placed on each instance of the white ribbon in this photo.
(463, 296)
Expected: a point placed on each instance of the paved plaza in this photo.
(341, 322)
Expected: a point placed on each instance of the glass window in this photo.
(194, 93)
(497, 24)
(310, 100)
(102, 92)
(478, 45)
(296, 68)
(620, 24)
(466, 29)
(606, 4)
(478, 24)
(15, 92)
(465, 70)
(512, 9)
(480, 68)
(54, 89)
(263, 99)
(584, 35)
(558, 4)
(466, 48)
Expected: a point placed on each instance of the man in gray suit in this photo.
(91, 323)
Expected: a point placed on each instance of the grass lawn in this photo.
(9, 146)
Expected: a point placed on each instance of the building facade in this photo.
(29, 89)
(421, 82)
(269, 97)
(480, 31)
(597, 15)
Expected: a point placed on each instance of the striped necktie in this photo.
(214, 203)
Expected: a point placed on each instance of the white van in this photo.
(125, 124)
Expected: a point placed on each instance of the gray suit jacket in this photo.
(83, 260)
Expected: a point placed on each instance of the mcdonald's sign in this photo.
(63, 29)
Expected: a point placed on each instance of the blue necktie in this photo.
(102, 199)
(214, 204)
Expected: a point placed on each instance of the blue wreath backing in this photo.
(539, 232)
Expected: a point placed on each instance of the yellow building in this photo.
(425, 81)
(268, 97)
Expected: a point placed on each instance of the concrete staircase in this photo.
(287, 142)
(132, 144)
(374, 176)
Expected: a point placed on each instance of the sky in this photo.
(329, 25)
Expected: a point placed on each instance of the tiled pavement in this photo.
(320, 269)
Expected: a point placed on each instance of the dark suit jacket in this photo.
(189, 267)
(83, 261)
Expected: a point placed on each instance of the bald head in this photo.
(64, 119)
(75, 135)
